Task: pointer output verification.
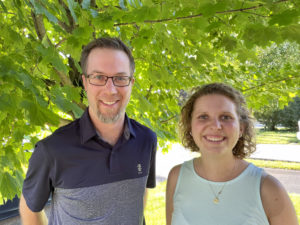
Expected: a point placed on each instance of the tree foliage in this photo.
(177, 44)
(291, 115)
(272, 116)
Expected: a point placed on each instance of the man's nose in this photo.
(110, 85)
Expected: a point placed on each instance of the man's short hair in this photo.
(109, 43)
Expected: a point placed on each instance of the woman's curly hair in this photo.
(246, 144)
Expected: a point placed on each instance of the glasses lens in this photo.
(121, 81)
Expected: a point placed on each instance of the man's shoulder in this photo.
(140, 128)
(65, 132)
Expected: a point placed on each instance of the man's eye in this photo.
(120, 78)
(99, 77)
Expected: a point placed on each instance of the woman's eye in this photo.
(225, 117)
(202, 117)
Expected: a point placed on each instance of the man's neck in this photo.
(109, 132)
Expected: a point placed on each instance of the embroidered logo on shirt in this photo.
(139, 168)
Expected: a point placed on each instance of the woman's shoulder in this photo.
(174, 172)
(271, 187)
(276, 202)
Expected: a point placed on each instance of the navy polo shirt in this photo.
(92, 182)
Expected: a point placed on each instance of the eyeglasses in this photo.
(101, 80)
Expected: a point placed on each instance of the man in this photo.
(96, 168)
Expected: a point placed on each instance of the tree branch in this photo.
(70, 18)
(63, 77)
(63, 122)
(165, 121)
(39, 25)
(256, 14)
(60, 42)
(271, 82)
(149, 92)
(199, 15)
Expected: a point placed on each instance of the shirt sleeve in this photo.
(151, 182)
(37, 184)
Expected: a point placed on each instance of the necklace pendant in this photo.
(216, 200)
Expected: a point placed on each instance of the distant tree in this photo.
(272, 116)
(290, 115)
(269, 116)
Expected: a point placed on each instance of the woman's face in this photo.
(215, 125)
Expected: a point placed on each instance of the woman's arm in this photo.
(171, 185)
(276, 202)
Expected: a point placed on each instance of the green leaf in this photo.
(41, 10)
(285, 18)
(103, 21)
(83, 33)
(38, 115)
(51, 55)
(8, 102)
(209, 9)
(259, 35)
(229, 43)
(72, 5)
(3, 6)
(135, 3)
(72, 93)
(291, 33)
(86, 4)
(122, 4)
(146, 13)
(9, 186)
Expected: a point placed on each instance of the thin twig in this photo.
(199, 15)
(272, 82)
(149, 92)
(165, 121)
(256, 14)
(60, 42)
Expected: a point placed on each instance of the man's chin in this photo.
(108, 118)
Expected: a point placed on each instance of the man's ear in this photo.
(84, 81)
(132, 80)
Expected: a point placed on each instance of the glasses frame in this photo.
(88, 76)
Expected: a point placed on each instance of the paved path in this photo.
(289, 178)
(289, 152)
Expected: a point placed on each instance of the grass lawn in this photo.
(276, 137)
(155, 210)
(275, 164)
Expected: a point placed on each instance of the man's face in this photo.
(107, 103)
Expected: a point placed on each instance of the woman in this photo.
(220, 187)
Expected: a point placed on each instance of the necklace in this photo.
(217, 195)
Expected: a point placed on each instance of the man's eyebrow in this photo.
(117, 74)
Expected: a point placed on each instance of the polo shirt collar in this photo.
(88, 131)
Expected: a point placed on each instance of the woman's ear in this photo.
(242, 128)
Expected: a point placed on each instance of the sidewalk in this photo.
(289, 179)
(289, 152)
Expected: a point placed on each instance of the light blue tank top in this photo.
(240, 202)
